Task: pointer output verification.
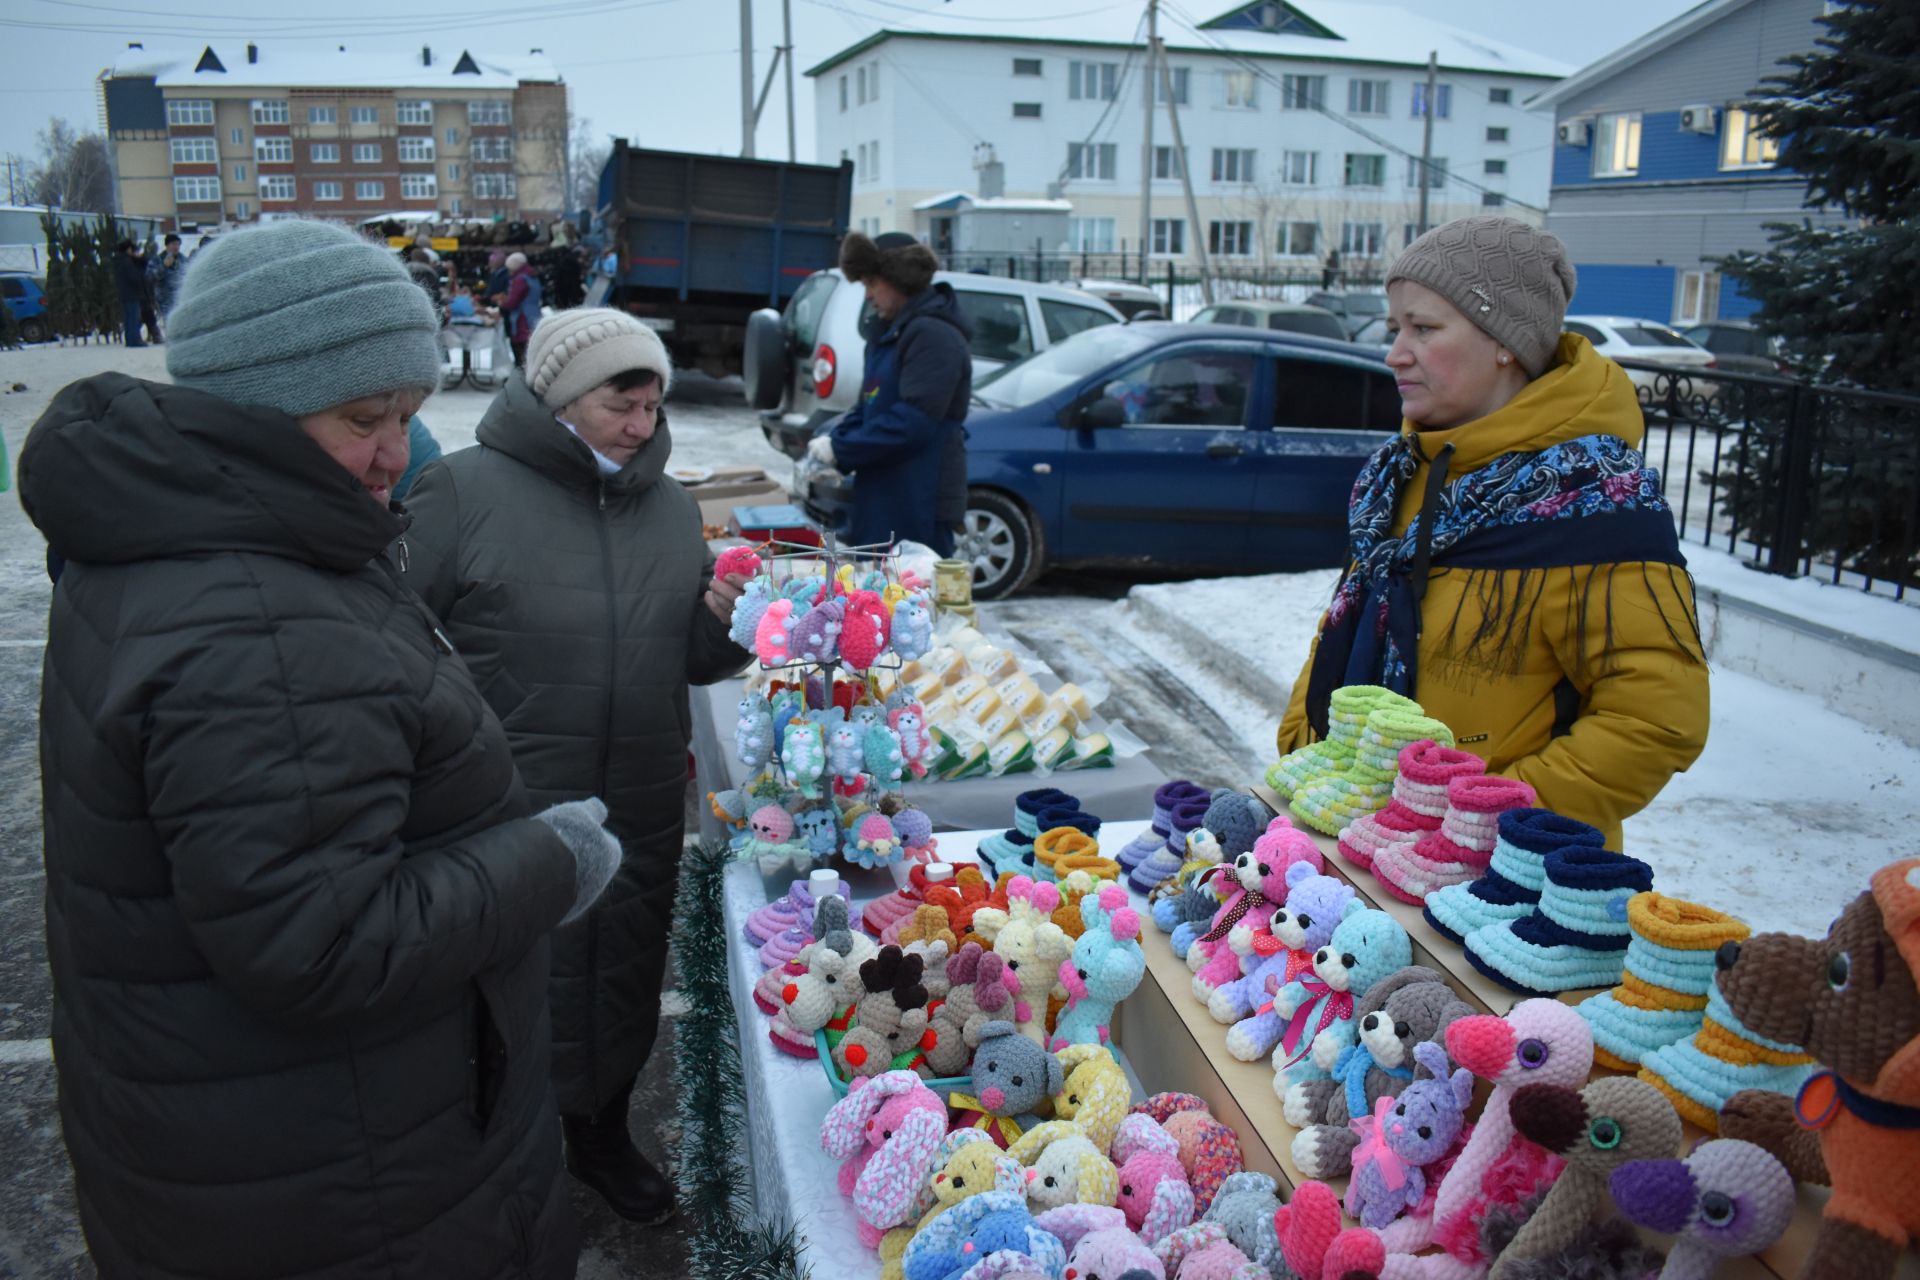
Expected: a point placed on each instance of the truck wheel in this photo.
(765, 362)
(33, 330)
(1002, 541)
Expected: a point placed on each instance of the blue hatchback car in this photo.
(1206, 447)
(26, 297)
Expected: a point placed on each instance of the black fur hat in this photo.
(895, 257)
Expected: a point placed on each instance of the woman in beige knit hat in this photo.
(1514, 567)
(571, 573)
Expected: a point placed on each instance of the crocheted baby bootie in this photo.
(1662, 998)
(1029, 805)
(1184, 816)
(1577, 935)
(1059, 842)
(1347, 711)
(784, 946)
(894, 907)
(1419, 799)
(1510, 889)
(1009, 850)
(1699, 1074)
(774, 919)
(1165, 796)
(766, 992)
(1334, 800)
(1462, 848)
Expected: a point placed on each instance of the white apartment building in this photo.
(1302, 123)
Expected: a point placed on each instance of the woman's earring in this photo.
(1502, 359)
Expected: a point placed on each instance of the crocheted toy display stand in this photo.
(1419, 800)
(1576, 937)
(1331, 801)
(1510, 888)
(1727, 1199)
(1662, 998)
(1462, 848)
(1347, 710)
(1698, 1074)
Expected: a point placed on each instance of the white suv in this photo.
(804, 366)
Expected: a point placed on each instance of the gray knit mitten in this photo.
(596, 853)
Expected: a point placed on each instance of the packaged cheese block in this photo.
(940, 710)
(1012, 753)
(973, 762)
(967, 688)
(1095, 751)
(994, 663)
(1075, 699)
(912, 671)
(1029, 706)
(1015, 687)
(945, 662)
(946, 753)
(1053, 749)
(982, 705)
(965, 639)
(1055, 714)
(926, 685)
(997, 723)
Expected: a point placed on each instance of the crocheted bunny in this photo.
(912, 627)
(867, 629)
(1209, 1151)
(1065, 1167)
(1153, 1186)
(753, 732)
(1727, 1199)
(885, 1132)
(1032, 946)
(978, 992)
(1244, 1205)
(1011, 1075)
(1403, 1136)
(985, 1236)
(1366, 947)
(1096, 1093)
(1112, 1252)
(889, 1031)
(816, 636)
(803, 754)
(1105, 967)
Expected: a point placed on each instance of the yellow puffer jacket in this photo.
(1622, 637)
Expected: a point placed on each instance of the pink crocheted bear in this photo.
(1261, 890)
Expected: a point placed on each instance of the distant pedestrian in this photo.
(1330, 278)
(164, 272)
(520, 306)
(610, 262)
(421, 267)
(567, 289)
(498, 275)
(130, 287)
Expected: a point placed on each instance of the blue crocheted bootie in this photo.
(1702, 1072)
(1576, 937)
(1511, 887)
(1010, 850)
(1029, 805)
(1670, 968)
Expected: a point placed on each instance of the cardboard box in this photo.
(730, 487)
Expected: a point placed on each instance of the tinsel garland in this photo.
(716, 1200)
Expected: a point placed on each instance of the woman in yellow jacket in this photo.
(1515, 569)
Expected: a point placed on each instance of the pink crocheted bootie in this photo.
(1419, 799)
(1463, 846)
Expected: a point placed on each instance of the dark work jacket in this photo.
(579, 603)
(129, 278)
(904, 440)
(296, 915)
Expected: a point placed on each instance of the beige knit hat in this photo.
(572, 352)
(1511, 279)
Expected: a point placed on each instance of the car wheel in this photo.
(33, 330)
(1002, 541)
(764, 363)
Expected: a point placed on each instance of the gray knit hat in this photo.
(1511, 279)
(572, 352)
(301, 316)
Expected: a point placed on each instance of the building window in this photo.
(860, 163)
(323, 115)
(237, 136)
(1299, 239)
(1026, 66)
(317, 153)
(1699, 297)
(873, 83)
(1496, 133)
(1742, 145)
(327, 191)
(457, 207)
(453, 137)
(414, 112)
(1239, 89)
(1492, 199)
(453, 173)
(1093, 161)
(280, 188)
(1367, 97)
(242, 210)
(280, 151)
(196, 191)
(369, 191)
(492, 150)
(1500, 97)
(1300, 168)
(1365, 170)
(1232, 164)
(190, 111)
(1442, 97)
(1494, 168)
(1167, 163)
(494, 186)
(1090, 235)
(860, 86)
(1230, 239)
(1092, 80)
(418, 186)
(366, 153)
(239, 173)
(1303, 93)
(270, 111)
(416, 150)
(1169, 237)
(365, 115)
(1361, 239)
(1616, 145)
(490, 111)
(843, 93)
(1181, 76)
(873, 159)
(1026, 111)
(193, 151)
(1436, 171)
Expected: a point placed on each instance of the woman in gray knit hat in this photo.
(297, 898)
(1514, 567)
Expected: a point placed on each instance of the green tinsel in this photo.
(724, 1242)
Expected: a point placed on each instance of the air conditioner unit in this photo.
(1574, 133)
(1698, 118)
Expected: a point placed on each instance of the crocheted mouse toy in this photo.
(1244, 1205)
(1851, 999)
(1404, 1135)
(886, 1132)
(1011, 1075)
(1105, 967)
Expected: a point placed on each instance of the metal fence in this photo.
(1796, 477)
(1170, 278)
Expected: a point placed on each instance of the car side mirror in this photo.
(1104, 412)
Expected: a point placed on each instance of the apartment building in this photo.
(1303, 127)
(215, 134)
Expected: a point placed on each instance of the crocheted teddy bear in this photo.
(1209, 1150)
(1727, 1199)
(886, 1132)
(1105, 967)
(1260, 890)
(1011, 1074)
(1403, 1136)
(967, 1165)
(1408, 1007)
(1852, 1000)
(1244, 1206)
(1297, 930)
(1032, 946)
(1153, 1185)
(1365, 947)
(1185, 909)
(889, 1030)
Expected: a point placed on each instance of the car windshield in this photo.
(1062, 365)
(1649, 335)
(1367, 304)
(1320, 324)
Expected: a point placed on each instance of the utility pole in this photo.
(746, 78)
(1426, 139)
(786, 23)
(1146, 140)
(1159, 56)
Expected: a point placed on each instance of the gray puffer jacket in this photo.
(578, 601)
(296, 915)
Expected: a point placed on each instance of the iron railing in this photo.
(1796, 477)
(1172, 279)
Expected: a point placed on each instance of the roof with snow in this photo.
(1318, 30)
(1636, 51)
(962, 200)
(451, 67)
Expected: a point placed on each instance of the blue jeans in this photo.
(130, 319)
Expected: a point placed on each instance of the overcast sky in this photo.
(664, 73)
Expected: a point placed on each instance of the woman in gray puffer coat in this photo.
(296, 908)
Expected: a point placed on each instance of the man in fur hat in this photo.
(904, 440)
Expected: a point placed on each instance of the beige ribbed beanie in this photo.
(1511, 279)
(572, 352)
